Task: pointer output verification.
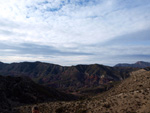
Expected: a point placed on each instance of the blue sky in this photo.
(70, 32)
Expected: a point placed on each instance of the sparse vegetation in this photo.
(106, 105)
(81, 111)
(128, 96)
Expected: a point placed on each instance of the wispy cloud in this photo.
(34, 49)
(95, 29)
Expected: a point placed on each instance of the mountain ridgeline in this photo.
(66, 78)
(139, 64)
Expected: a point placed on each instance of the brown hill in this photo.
(132, 95)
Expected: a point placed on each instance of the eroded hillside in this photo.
(68, 79)
(131, 95)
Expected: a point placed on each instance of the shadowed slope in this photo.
(16, 91)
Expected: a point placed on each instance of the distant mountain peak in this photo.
(141, 62)
(138, 64)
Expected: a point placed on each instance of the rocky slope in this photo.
(16, 91)
(132, 95)
(139, 64)
(71, 78)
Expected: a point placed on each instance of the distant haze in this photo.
(69, 32)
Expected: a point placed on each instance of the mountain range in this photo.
(113, 89)
(139, 64)
(67, 78)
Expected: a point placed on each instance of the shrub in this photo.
(106, 105)
(60, 110)
(81, 111)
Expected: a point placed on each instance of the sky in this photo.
(70, 32)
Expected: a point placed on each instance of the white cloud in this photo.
(72, 23)
(66, 25)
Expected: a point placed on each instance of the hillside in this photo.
(71, 78)
(132, 95)
(16, 91)
(139, 64)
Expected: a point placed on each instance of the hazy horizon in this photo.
(74, 64)
(71, 32)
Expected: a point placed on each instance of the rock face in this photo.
(16, 91)
(66, 78)
(139, 64)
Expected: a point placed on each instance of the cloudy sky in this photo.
(70, 32)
